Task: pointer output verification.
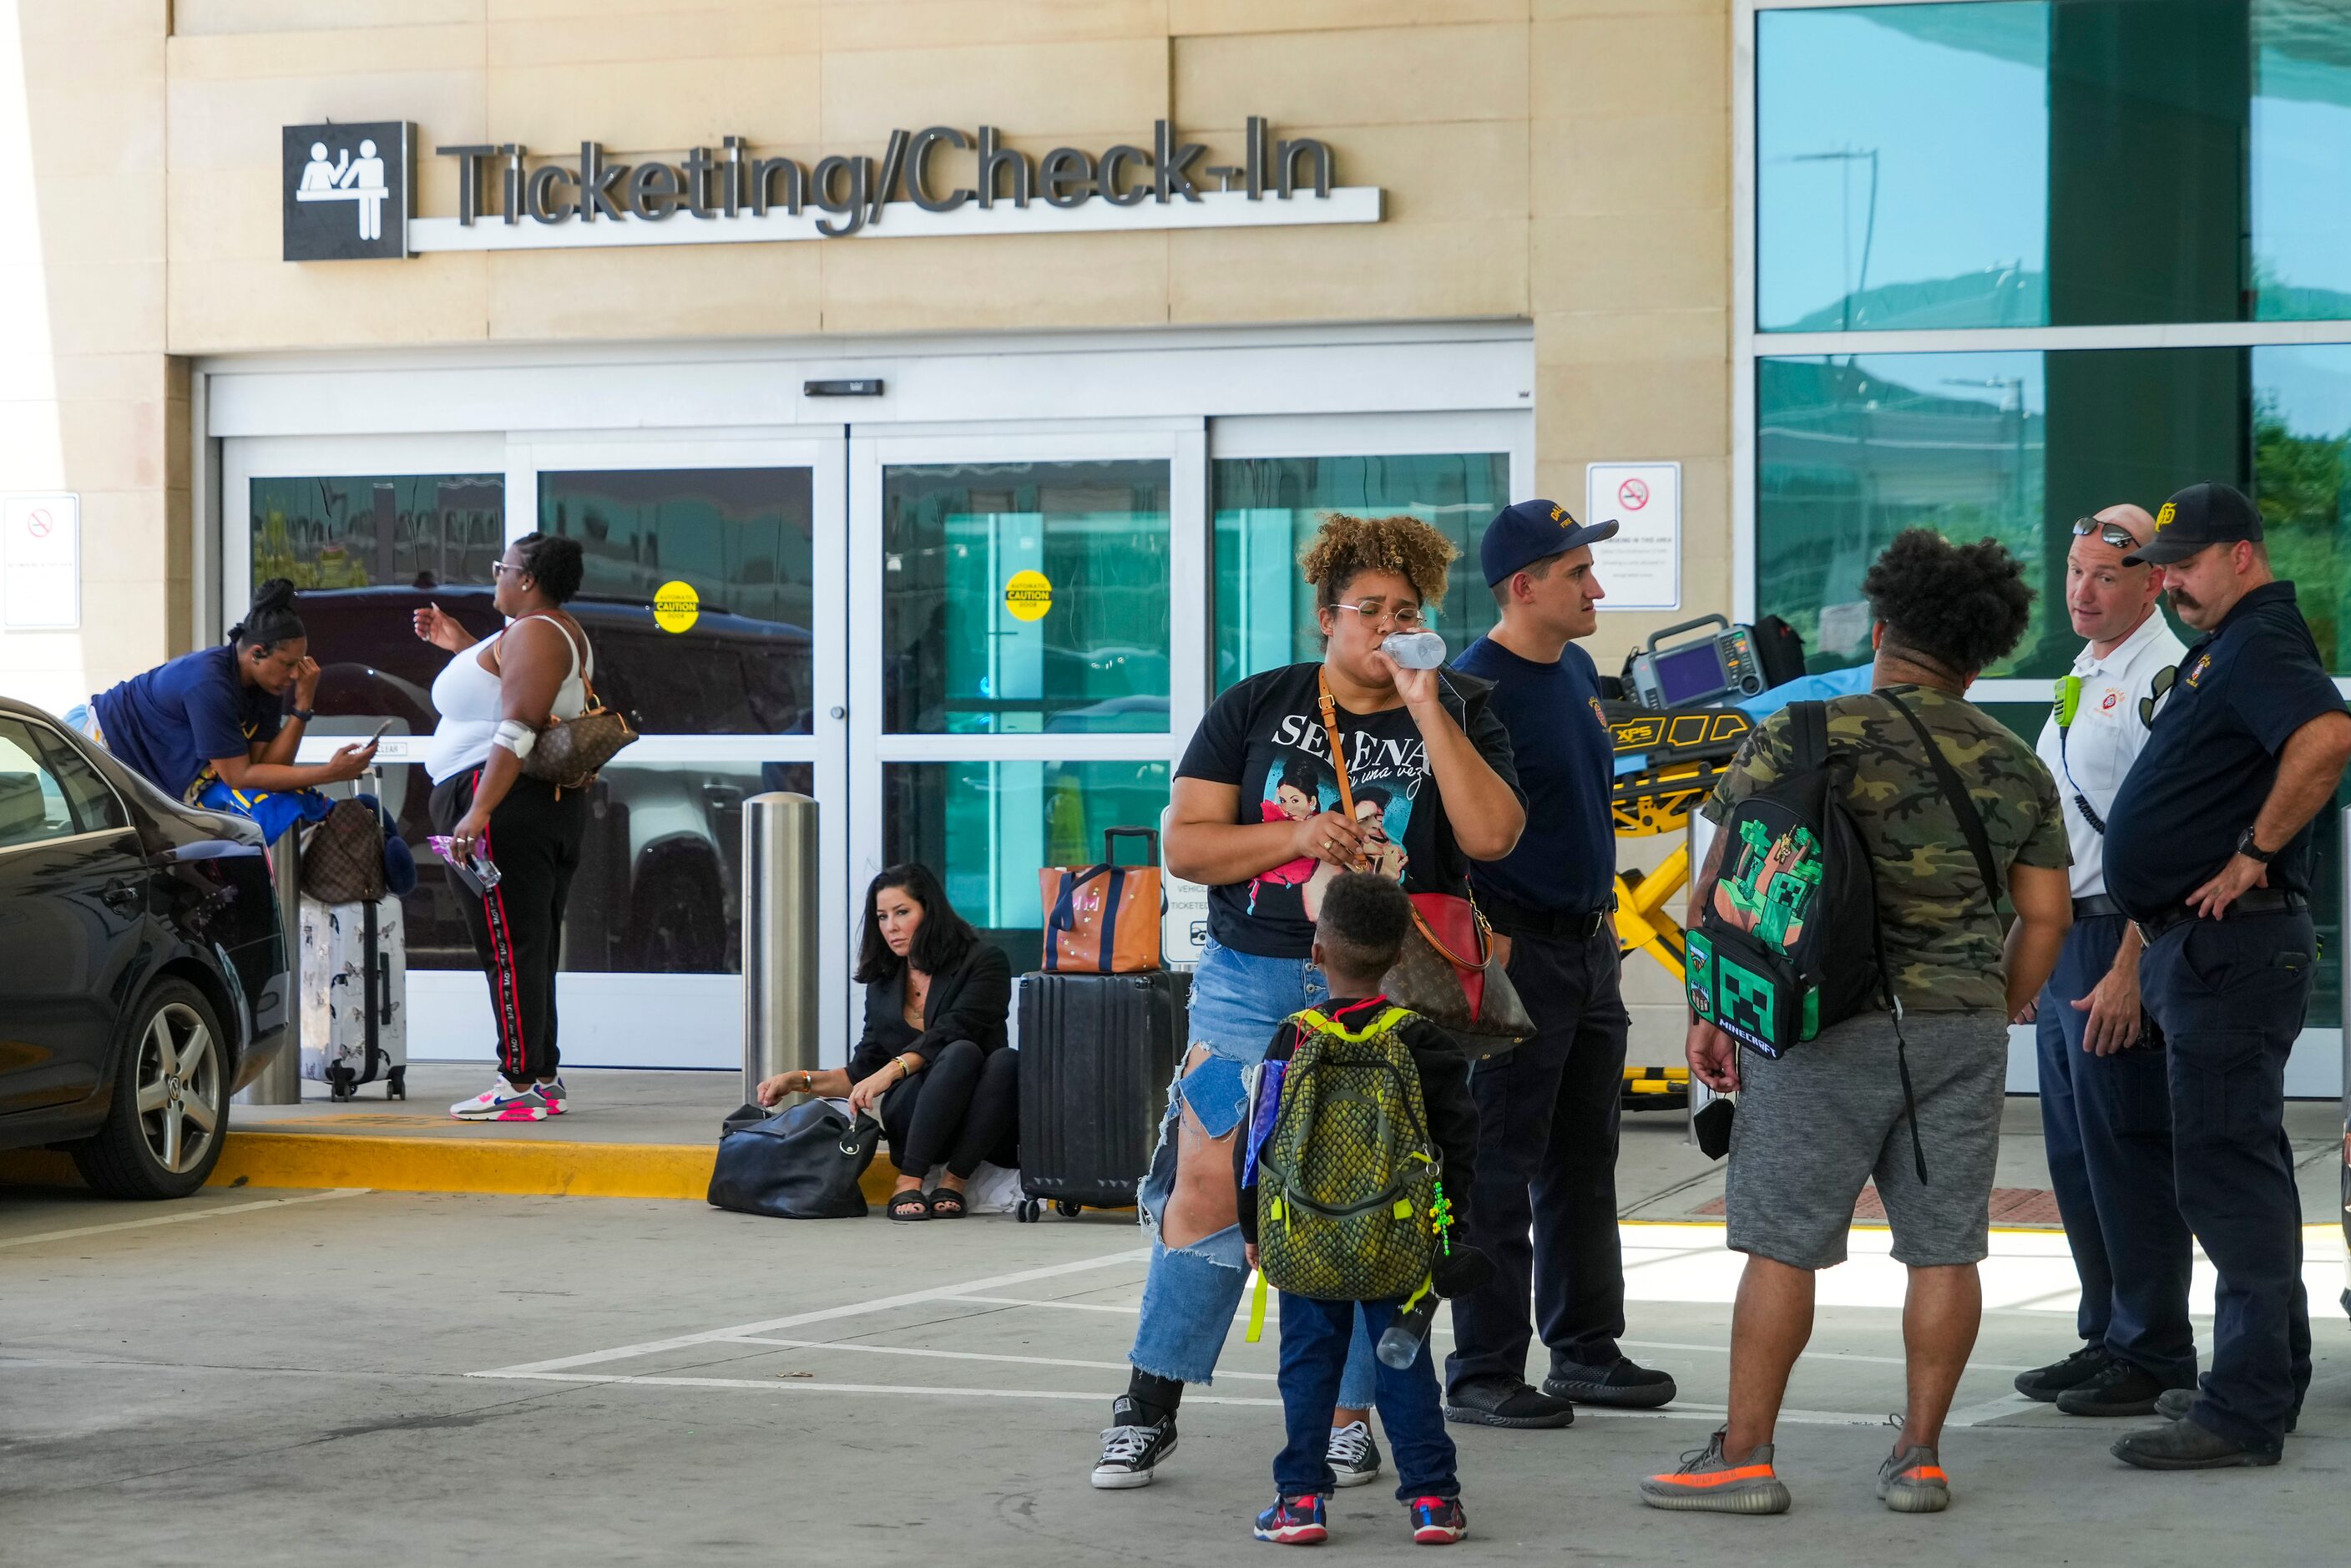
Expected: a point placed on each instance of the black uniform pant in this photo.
(962, 1108)
(2230, 995)
(1544, 1207)
(2107, 1121)
(534, 839)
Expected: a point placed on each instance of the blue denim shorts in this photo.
(1238, 999)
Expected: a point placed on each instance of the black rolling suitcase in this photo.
(1097, 1053)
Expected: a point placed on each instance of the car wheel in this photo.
(679, 922)
(169, 1115)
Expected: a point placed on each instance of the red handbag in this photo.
(1448, 972)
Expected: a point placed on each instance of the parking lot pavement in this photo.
(265, 1378)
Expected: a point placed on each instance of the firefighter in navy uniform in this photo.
(2209, 850)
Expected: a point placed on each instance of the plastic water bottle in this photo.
(1400, 1346)
(1421, 650)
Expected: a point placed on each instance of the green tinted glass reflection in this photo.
(2021, 162)
(1267, 509)
(399, 531)
(1024, 598)
(987, 827)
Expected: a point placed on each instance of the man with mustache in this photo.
(2209, 850)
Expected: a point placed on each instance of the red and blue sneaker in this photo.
(1437, 1521)
(1293, 1522)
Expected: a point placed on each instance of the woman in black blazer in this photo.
(932, 1064)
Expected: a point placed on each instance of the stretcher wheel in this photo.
(1067, 1210)
(1026, 1210)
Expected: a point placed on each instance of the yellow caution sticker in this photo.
(1029, 595)
(676, 607)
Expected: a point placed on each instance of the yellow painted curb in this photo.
(503, 1166)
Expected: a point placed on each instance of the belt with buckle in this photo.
(2253, 901)
(2096, 907)
(1517, 920)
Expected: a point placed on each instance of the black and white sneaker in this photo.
(1130, 1450)
(1353, 1457)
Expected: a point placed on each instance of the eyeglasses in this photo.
(2114, 534)
(2165, 678)
(501, 567)
(1404, 617)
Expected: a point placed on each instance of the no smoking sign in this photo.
(1640, 568)
(1633, 494)
(40, 561)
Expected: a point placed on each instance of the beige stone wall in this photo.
(88, 402)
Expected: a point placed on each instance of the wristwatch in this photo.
(305, 714)
(2251, 851)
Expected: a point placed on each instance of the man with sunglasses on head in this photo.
(2208, 849)
(2106, 1108)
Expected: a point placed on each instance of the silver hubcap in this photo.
(179, 1088)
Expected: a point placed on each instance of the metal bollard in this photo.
(780, 982)
(280, 1083)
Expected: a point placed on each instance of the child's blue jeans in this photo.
(1314, 1337)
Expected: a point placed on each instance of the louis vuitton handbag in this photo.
(1448, 972)
(571, 751)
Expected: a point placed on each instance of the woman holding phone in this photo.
(494, 697)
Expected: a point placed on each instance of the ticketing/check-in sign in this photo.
(1640, 568)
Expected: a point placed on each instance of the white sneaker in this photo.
(558, 1098)
(502, 1102)
(1353, 1457)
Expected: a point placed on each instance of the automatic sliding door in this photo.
(1017, 698)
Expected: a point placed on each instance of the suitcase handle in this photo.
(1150, 837)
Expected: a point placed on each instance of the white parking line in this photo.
(965, 1355)
(822, 1315)
(183, 1217)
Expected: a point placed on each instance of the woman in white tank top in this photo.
(494, 697)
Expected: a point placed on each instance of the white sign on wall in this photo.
(40, 561)
(1640, 568)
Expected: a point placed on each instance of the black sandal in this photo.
(909, 1205)
(945, 1203)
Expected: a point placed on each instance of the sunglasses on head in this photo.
(2114, 534)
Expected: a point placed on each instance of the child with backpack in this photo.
(1353, 1175)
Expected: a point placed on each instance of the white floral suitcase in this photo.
(355, 997)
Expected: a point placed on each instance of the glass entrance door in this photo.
(713, 600)
(1037, 648)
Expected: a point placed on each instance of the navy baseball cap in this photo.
(1531, 531)
(2199, 516)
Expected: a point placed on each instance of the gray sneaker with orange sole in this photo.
(1710, 1481)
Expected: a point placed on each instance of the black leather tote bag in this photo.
(802, 1163)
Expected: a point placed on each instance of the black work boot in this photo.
(1623, 1384)
(2174, 1404)
(1500, 1401)
(2045, 1382)
(2119, 1389)
(2185, 1446)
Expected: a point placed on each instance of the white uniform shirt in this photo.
(2105, 738)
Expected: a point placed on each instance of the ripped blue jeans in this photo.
(1189, 1298)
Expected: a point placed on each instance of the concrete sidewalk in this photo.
(652, 1135)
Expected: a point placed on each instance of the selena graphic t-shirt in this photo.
(1265, 736)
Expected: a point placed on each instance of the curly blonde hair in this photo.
(1346, 546)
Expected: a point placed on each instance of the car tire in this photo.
(171, 1073)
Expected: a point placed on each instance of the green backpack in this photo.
(1347, 1178)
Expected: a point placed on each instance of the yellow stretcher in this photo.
(1666, 765)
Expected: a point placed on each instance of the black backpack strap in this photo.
(1808, 734)
(1962, 805)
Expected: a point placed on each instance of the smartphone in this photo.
(381, 730)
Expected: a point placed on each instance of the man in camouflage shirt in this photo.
(1815, 1125)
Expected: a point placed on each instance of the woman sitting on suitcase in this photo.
(1431, 776)
(932, 1064)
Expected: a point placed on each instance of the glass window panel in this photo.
(658, 888)
(1267, 509)
(987, 827)
(32, 806)
(96, 807)
(2302, 462)
(967, 650)
(741, 539)
(1902, 167)
(2025, 162)
(2302, 159)
(401, 530)
(368, 552)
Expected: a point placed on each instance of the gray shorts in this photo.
(1814, 1125)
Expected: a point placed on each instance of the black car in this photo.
(142, 964)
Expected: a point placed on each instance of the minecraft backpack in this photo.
(1788, 943)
